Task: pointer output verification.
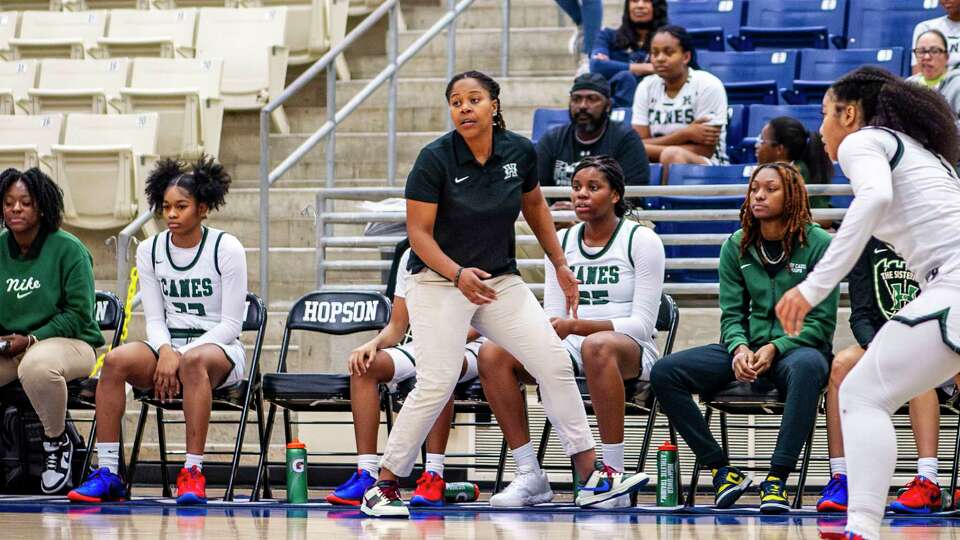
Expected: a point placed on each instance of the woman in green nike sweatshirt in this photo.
(777, 246)
(48, 333)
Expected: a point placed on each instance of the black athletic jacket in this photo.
(880, 285)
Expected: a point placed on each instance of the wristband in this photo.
(456, 277)
(34, 338)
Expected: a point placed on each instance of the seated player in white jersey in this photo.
(680, 111)
(897, 142)
(620, 265)
(193, 284)
(384, 360)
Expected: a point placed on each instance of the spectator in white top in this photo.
(681, 113)
(949, 26)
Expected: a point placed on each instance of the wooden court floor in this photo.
(118, 522)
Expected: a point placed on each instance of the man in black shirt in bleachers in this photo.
(590, 133)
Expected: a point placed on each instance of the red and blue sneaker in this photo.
(921, 497)
(191, 486)
(429, 490)
(350, 493)
(100, 486)
(834, 496)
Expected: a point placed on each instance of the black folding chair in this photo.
(326, 312)
(241, 397)
(81, 393)
(640, 400)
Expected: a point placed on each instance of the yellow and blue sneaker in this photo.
(729, 483)
(773, 496)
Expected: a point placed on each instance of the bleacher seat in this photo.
(181, 4)
(819, 68)
(91, 86)
(875, 24)
(104, 155)
(186, 95)
(25, 141)
(30, 5)
(158, 33)
(8, 31)
(809, 115)
(84, 5)
(58, 34)
(708, 21)
(250, 43)
(16, 79)
(736, 128)
(698, 175)
(622, 114)
(752, 77)
(312, 26)
(791, 24)
(546, 119)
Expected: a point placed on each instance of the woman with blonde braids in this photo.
(777, 246)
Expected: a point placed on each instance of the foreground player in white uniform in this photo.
(193, 283)
(384, 360)
(619, 264)
(896, 142)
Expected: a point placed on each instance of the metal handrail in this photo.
(123, 250)
(335, 117)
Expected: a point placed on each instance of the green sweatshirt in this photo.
(748, 297)
(50, 294)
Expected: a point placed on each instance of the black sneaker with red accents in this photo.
(383, 500)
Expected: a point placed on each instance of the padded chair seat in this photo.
(307, 391)
(81, 394)
(747, 398)
(224, 399)
(465, 394)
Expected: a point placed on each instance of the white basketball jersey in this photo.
(606, 276)
(190, 281)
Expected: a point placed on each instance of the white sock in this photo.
(838, 465)
(108, 456)
(526, 459)
(369, 463)
(927, 468)
(613, 456)
(193, 460)
(435, 464)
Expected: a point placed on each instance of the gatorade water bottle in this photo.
(460, 492)
(667, 475)
(296, 472)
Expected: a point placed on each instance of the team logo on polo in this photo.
(340, 312)
(22, 287)
(895, 285)
(510, 171)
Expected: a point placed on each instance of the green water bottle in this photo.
(667, 475)
(460, 492)
(296, 472)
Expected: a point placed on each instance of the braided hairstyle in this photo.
(626, 36)
(803, 145)
(491, 86)
(890, 102)
(613, 173)
(796, 210)
(204, 179)
(47, 195)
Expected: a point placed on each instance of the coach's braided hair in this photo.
(796, 210)
(888, 101)
(611, 170)
(47, 195)
(491, 86)
(204, 179)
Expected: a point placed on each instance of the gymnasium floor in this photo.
(52, 518)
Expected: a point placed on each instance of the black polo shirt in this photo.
(477, 205)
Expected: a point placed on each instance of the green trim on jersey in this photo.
(408, 355)
(566, 234)
(630, 246)
(153, 252)
(185, 333)
(605, 248)
(196, 258)
(940, 317)
(216, 254)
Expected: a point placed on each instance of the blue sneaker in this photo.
(834, 496)
(99, 487)
(350, 493)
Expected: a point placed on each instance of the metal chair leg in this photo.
(238, 446)
(695, 477)
(647, 436)
(501, 464)
(956, 464)
(544, 439)
(264, 442)
(135, 451)
(724, 440)
(263, 465)
(162, 440)
(804, 468)
(87, 459)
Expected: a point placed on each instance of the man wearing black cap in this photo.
(590, 133)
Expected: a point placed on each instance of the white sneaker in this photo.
(383, 500)
(606, 483)
(576, 41)
(622, 501)
(58, 454)
(527, 489)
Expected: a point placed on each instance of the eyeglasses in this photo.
(931, 52)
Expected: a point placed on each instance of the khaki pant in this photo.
(440, 317)
(44, 370)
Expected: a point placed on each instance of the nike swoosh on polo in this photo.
(742, 266)
(21, 295)
(458, 180)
